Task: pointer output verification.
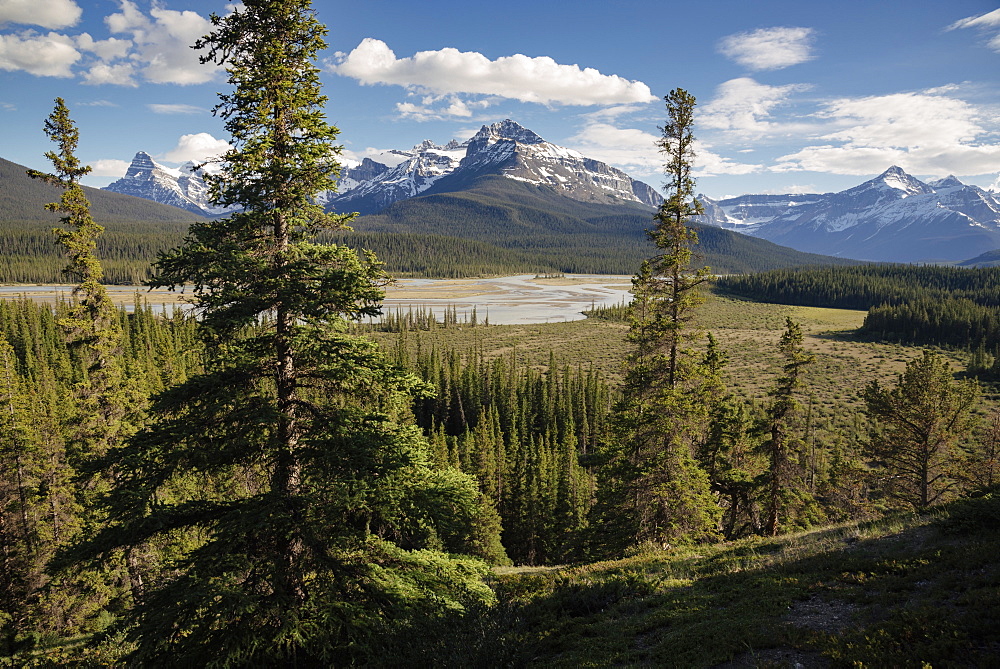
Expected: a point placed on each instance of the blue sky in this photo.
(792, 96)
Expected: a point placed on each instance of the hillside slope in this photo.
(23, 199)
(904, 591)
(562, 234)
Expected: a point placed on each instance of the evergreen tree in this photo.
(318, 522)
(103, 406)
(917, 427)
(92, 324)
(654, 490)
(782, 474)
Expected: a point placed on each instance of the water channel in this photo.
(506, 300)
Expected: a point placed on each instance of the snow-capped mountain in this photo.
(506, 149)
(395, 175)
(893, 217)
(183, 187)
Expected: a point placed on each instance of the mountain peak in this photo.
(508, 129)
(950, 181)
(895, 179)
(142, 163)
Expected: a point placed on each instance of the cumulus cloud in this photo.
(518, 77)
(710, 164)
(121, 74)
(163, 43)
(44, 13)
(629, 148)
(197, 147)
(769, 48)
(51, 55)
(175, 109)
(105, 49)
(924, 132)
(451, 108)
(741, 105)
(988, 22)
(636, 151)
(109, 167)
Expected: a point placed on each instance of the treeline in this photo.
(865, 286)
(937, 306)
(126, 250)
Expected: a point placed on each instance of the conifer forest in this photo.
(279, 478)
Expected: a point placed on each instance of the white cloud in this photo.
(197, 147)
(454, 108)
(923, 132)
(518, 77)
(791, 189)
(988, 20)
(44, 13)
(163, 43)
(709, 164)
(109, 167)
(769, 48)
(175, 109)
(984, 22)
(7, 106)
(107, 49)
(98, 103)
(740, 105)
(385, 156)
(51, 55)
(628, 148)
(636, 151)
(612, 113)
(120, 74)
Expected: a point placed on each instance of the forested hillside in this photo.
(496, 227)
(941, 306)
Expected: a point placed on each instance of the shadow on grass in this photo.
(905, 590)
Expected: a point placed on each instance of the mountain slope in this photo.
(893, 217)
(184, 188)
(23, 199)
(988, 259)
(563, 234)
(505, 149)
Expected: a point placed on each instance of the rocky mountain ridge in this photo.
(183, 187)
(894, 217)
(506, 149)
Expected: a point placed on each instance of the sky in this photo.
(792, 97)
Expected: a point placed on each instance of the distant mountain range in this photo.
(183, 187)
(504, 149)
(891, 218)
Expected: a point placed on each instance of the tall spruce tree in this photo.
(92, 325)
(654, 490)
(917, 427)
(101, 410)
(782, 474)
(304, 514)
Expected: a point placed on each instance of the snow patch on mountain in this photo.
(893, 217)
(182, 187)
(505, 148)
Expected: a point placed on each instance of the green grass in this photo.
(901, 591)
